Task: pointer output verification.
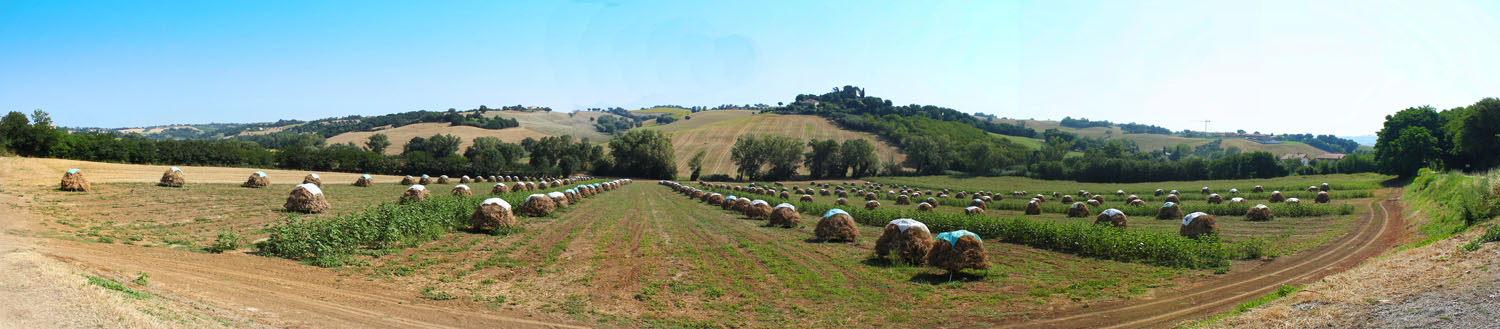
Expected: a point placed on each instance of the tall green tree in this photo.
(748, 156)
(696, 164)
(822, 159)
(929, 157)
(643, 153)
(1409, 141)
(1477, 143)
(378, 143)
(858, 157)
(784, 154)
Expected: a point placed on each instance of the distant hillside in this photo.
(715, 131)
(579, 124)
(1148, 142)
(400, 135)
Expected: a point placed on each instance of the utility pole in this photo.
(1205, 125)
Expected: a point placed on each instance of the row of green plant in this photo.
(330, 242)
(1286, 210)
(1080, 238)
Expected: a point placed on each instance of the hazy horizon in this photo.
(1337, 68)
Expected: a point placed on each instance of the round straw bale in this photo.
(758, 209)
(257, 179)
(1198, 224)
(1078, 209)
(465, 180)
(903, 199)
(785, 215)
(414, 193)
(841, 201)
(972, 210)
(696, 193)
(1067, 199)
(872, 204)
(307, 198)
(1236, 200)
(1321, 198)
(573, 196)
(462, 190)
(1018, 193)
(932, 201)
(1169, 210)
(805, 198)
(1234, 191)
(1112, 216)
(425, 180)
(1324, 187)
(1136, 202)
(172, 178)
(442, 179)
(741, 205)
(785, 195)
(871, 196)
(1312, 188)
(1205, 190)
(1257, 189)
(924, 207)
(1172, 198)
(1159, 192)
(1098, 197)
(1119, 192)
(1215, 199)
(988, 199)
(537, 205)
(1057, 194)
(1293, 200)
(1260, 212)
(1034, 207)
(843, 194)
(558, 199)
(1095, 203)
(979, 204)
(364, 181)
(824, 192)
(728, 202)
(956, 251)
(408, 180)
(836, 225)
(312, 179)
(908, 239)
(73, 180)
(491, 215)
(1040, 197)
(715, 199)
(499, 188)
(1277, 197)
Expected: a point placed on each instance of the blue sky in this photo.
(1293, 66)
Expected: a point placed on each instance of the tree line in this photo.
(777, 157)
(435, 155)
(1464, 138)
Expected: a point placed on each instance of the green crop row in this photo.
(329, 242)
(1287, 210)
(1080, 238)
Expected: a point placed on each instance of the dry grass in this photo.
(577, 125)
(1338, 299)
(400, 135)
(718, 134)
(41, 171)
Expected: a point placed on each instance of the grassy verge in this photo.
(388, 226)
(1454, 202)
(1076, 238)
(1247, 306)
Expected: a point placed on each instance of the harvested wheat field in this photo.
(718, 130)
(400, 135)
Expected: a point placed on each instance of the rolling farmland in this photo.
(717, 134)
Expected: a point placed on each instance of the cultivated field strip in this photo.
(718, 139)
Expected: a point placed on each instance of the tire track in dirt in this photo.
(1377, 231)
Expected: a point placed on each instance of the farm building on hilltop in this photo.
(1329, 157)
(1299, 156)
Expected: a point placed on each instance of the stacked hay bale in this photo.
(805, 198)
(1169, 210)
(257, 179)
(465, 180)
(1205, 190)
(741, 205)
(1067, 199)
(758, 209)
(1077, 210)
(872, 205)
(836, 225)
(559, 199)
(312, 179)
(1159, 192)
(1293, 201)
(1198, 224)
(1172, 198)
(956, 251)
(491, 215)
(537, 205)
(408, 180)
(977, 203)
(1215, 199)
(1034, 207)
(924, 207)
(972, 210)
(1277, 197)
(907, 238)
(785, 215)
(841, 201)
(1234, 191)
(903, 200)
(499, 188)
(1257, 189)
(729, 202)
(1322, 197)
(1324, 187)
(73, 180)
(307, 198)
(1136, 202)
(462, 190)
(425, 180)
(414, 193)
(442, 179)
(1260, 212)
(1236, 200)
(1112, 216)
(364, 181)
(573, 196)
(172, 178)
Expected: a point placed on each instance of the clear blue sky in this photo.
(1319, 66)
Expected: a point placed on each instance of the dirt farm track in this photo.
(40, 276)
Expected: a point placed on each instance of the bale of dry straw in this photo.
(307, 198)
(442, 179)
(972, 210)
(956, 251)
(414, 193)
(1077, 210)
(462, 190)
(1257, 189)
(257, 179)
(1172, 198)
(312, 179)
(538, 205)
(425, 180)
(903, 200)
(499, 188)
(1215, 199)
(841, 201)
(908, 239)
(977, 203)
(491, 215)
(836, 225)
(465, 180)
(1322, 197)
(1293, 200)
(1260, 213)
(785, 215)
(758, 209)
(408, 180)
(1034, 207)
(1067, 199)
(1169, 210)
(364, 181)
(741, 205)
(558, 199)
(1277, 197)
(1113, 217)
(924, 207)
(172, 178)
(872, 204)
(729, 202)
(1324, 187)
(1198, 224)
(715, 199)
(1136, 202)
(73, 180)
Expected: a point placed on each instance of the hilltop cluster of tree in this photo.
(1463, 138)
(435, 155)
(1137, 128)
(1329, 143)
(612, 124)
(851, 101)
(1081, 123)
(335, 126)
